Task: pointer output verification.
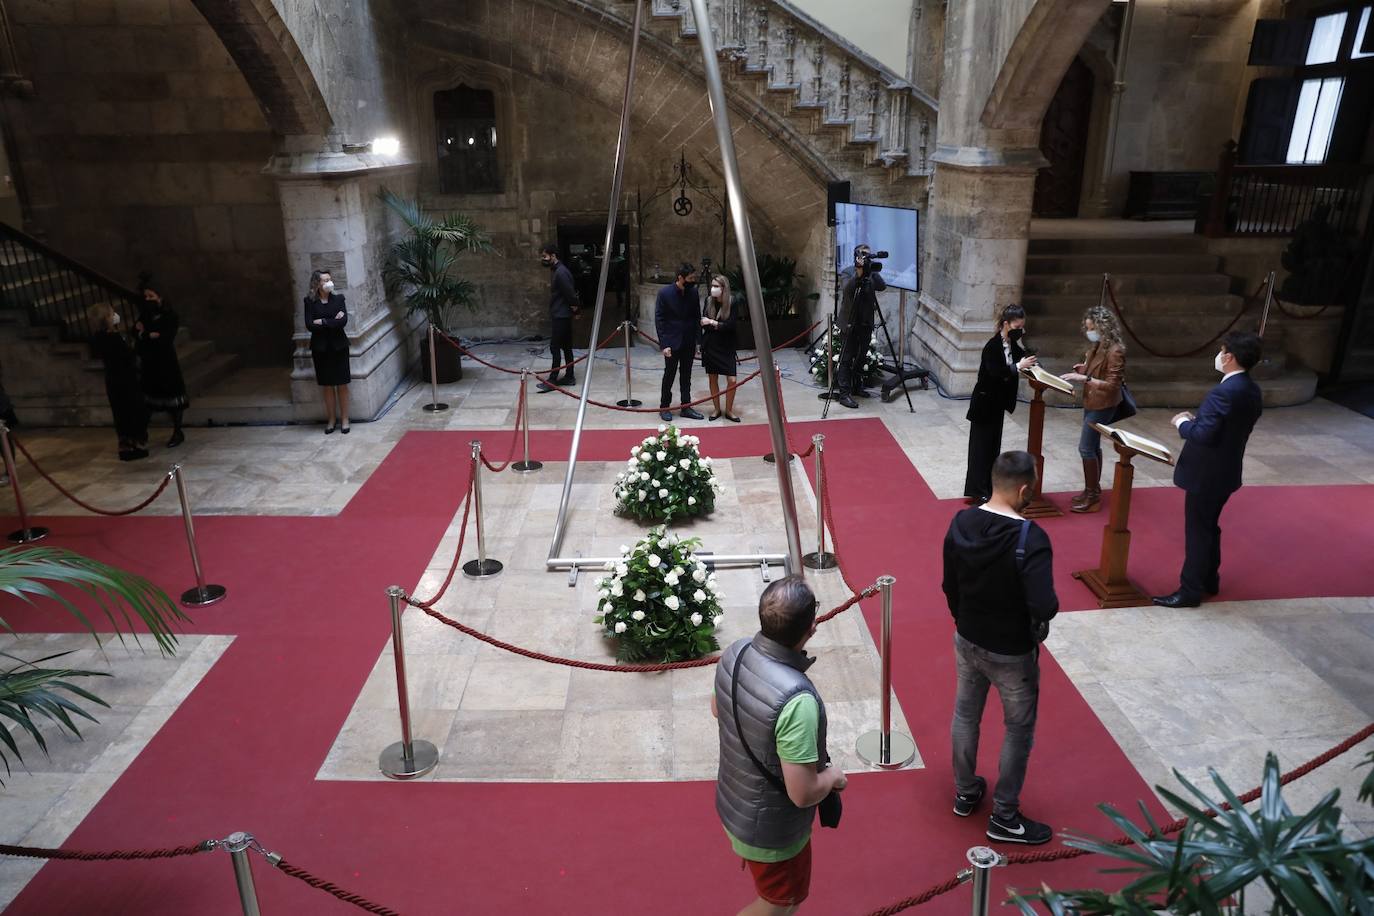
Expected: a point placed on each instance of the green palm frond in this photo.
(29, 694)
(421, 266)
(32, 572)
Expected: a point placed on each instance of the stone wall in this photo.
(143, 148)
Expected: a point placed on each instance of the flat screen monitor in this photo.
(890, 229)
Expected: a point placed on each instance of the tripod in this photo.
(900, 371)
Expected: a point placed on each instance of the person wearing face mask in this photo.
(860, 296)
(164, 389)
(1208, 469)
(677, 318)
(113, 349)
(326, 315)
(718, 346)
(999, 584)
(994, 396)
(562, 307)
(1101, 374)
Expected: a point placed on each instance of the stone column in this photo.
(335, 221)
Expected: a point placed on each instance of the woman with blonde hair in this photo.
(326, 316)
(718, 346)
(1102, 374)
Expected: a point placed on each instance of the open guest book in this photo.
(1156, 450)
(1045, 378)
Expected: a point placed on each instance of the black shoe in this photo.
(732, 418)
(178, 437)
(567, 379)
(345, 430)
(849, 402)
(691, 414)
(964, 805)
(1018, 829)
(132, 454)
(1177, 599)
(543, 388)
(666, 416)
(329, 429)
(714, 417)
(862, 393)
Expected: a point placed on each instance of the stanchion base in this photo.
(28, 535)
(773, 460)
(480, 569)
(901, 750)
(818, 560)
(525, 467)
(631, 402)
(423, 757)
(200, 597)
(435, 408)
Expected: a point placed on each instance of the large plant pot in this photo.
(779, 330)
(448, 362)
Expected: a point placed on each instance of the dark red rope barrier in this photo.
(1296, 317)
(82, 503)
(360, 902)
(672, 409)
(834, 529)
(443, 335)
(782, 346)
(520, 416)
(1244, 307)
(117, 855)
(458, 552)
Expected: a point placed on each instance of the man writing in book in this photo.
(1209, 468)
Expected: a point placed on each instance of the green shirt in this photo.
(796, 731)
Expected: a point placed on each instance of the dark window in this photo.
(465, 125)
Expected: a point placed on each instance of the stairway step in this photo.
(1058, 306)
(1156, 244)
(1128, 283)
(202, 374)
(1093, 263)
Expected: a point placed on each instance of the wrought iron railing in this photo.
(1273, 200)
(55, 291)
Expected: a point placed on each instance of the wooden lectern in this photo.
(1040, 380)
(1108, 582)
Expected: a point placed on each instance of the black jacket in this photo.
(1214, 443)
(562, 292)
(329, 334)
(677, 317)
(995, 389)
(993, 604)
(858, 310)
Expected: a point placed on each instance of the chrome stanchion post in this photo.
(983, 860)
(770, 458)
(407, 758)
(433, 406)
(202, 594)
(26, 533)
(629, 400)
(1268, 301)
(884, 748)
(1102, 293)
(238, 845)
(481, 567)
(821, 559)
(526, 466)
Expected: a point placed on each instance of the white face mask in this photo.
(716, 292)
(327, 286)
(1217, 363)
(114, 319)
(1093, 336)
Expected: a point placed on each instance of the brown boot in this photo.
(1090, 500)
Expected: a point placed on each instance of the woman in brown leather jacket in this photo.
(1101, 373)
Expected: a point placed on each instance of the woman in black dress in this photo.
(326, 316)
(994, 396)
(121, 386)
(163, 387)
(718, 346)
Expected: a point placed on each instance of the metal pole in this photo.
(885, 749)
(1102, 293)
(238, 845)
(983, 860)
(1268, 301)
(202, 594)
(407, 758)
(744, 238)
(433, 406)
(26, 534)
(1102, 201)
(900, 359)
(481, 567)
(629, 399)
(821, 559)
(770, 457)
(622, 145)
(526, 466)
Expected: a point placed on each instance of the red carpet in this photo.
(306, 605)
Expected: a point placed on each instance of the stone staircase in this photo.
(1174, 296)
(851, 108)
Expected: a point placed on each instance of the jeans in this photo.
(1017, 679)
(1090, 440)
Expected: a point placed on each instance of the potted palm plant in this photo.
(783, 295)
(421, 267)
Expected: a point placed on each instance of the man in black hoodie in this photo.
(999, 582)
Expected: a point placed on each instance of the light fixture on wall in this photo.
(386, 146)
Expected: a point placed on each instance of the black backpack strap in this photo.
(1021, 545)
(739, 730)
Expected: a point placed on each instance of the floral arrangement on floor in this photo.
(659, 603)
(666, 478)
(872, 366)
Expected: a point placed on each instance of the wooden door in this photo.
(1064, 142)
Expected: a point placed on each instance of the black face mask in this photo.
(1016, 334)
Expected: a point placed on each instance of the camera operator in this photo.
(862, 281)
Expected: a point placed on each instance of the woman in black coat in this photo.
(994, 396)
(163, 387)
(718, 345)
(122, 389)
(326, 316)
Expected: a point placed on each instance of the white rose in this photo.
(691, 500)
(643, 475)
(654, 560)
(610, 564)
(654, 483)
(679, 571)
(706, 460)
(624, 549)
(662, 493)
(699, 574)
(661, 428)
(637, 615)
(644, 456)
(685, 463)
(605, 592)
(696, 620)
(620, 627)
(672, 602)
(661, 455)
(622, 570)
(641, 496)
(617, 590)
(715, 621)
(635, 451)
(671, 578)
(639, 594)
(607, 607)
(698, 596)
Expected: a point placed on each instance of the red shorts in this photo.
(785, 883)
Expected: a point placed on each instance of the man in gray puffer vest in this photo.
(764, 696)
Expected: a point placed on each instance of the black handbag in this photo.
(831, 808)
(1126, 409)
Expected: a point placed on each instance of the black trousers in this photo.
(561, 343)
(850, 376)
(984, 445)
(679, 364)
(1201, 543)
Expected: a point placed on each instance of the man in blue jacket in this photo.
(563, 306)
(677, 318)
(1209, 467)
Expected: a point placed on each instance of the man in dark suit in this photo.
(562, 307)
(1209, 467)
(677, 316)
(861, 303)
